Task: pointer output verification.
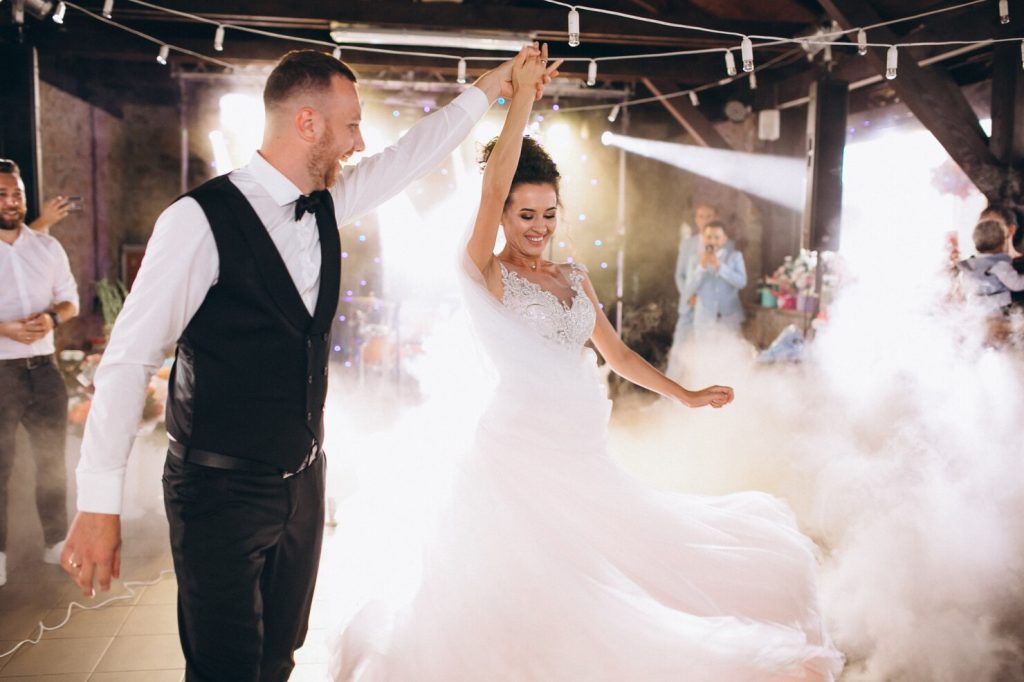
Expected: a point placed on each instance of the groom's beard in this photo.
(12, 219)
(323, 161)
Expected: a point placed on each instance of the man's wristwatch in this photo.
(54, 316)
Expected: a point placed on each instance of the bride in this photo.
(551, 563)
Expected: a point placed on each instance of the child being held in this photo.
(989, 277)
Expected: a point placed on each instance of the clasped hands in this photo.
(27, 330)
(530, 70)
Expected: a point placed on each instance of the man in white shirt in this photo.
(243, 274)
(37, 293)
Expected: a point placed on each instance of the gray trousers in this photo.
(37, 399)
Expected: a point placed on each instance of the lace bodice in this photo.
(567, 324)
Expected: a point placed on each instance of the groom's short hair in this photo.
(303, 70)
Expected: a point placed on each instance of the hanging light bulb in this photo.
(574, 28)
(747, 54)
(461, 76)
(165, 51)
(1004, 11)
(613, 114)
(730, 63)
(891, 58)
(592, 73)
(337, 53)
(218, 38)
(1022, 54)
(753, 81)
(862, 42)
(694, 99)
(108, 8)
(58, 14)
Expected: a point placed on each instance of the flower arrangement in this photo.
(792, 283)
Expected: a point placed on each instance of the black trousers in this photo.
(37, 399)
(246, 550)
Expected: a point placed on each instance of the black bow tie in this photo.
(309, 203)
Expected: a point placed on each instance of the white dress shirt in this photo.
(181, 264)
(34, 277)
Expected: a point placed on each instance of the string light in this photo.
(747, 53)
(730, 63)
(337, 53)
(108, 8)
(461, 77)
(1004, 11)
(58, 14)
(1022, 54)
(862, 42)
(165, 51)
(574, 28)
(614, 113)
(891, 58)
(218, 38)
(592, 73)
(694, 99)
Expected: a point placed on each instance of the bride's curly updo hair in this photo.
(536, 167)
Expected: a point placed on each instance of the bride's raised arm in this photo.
(528, 70)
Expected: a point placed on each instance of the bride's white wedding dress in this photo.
(550, 563)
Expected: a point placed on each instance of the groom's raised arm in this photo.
(364, 186)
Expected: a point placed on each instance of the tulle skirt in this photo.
(551, 563)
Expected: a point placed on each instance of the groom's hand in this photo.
(498, 81)
(92, 551)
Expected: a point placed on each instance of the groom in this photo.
(243, 274)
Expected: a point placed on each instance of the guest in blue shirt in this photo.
(716, 278)
(689, 249)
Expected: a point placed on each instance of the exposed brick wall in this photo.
(126, 171)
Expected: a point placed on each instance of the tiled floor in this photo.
(131, 640)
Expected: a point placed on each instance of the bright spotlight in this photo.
(776, 178)
(606, 137)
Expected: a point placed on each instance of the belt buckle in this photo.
(34, 362)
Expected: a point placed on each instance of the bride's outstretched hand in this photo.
(715, 396)
(531, 71)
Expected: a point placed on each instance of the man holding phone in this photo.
(54, 211)
(37, 293)
(716, 279)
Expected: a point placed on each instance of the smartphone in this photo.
(709, 249)
(74, 203)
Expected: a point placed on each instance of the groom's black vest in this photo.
(250, 374)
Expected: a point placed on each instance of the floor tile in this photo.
(140, 676)
(164, 592)
(20, 623)
(5, 646)
(104, 622)
(57, 656)
(15, 596)
(151, 619)
(69, 677)
(145, 652)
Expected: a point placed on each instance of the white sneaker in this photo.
(51, 555)
(3, 569)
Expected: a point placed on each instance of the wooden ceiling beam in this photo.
(933, 97)
(687, 115)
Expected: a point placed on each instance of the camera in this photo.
(708, 248)
(74, 204)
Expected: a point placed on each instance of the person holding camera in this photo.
(37, 293)
(716, 279)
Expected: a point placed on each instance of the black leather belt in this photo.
(29, 363)
(215, 460)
